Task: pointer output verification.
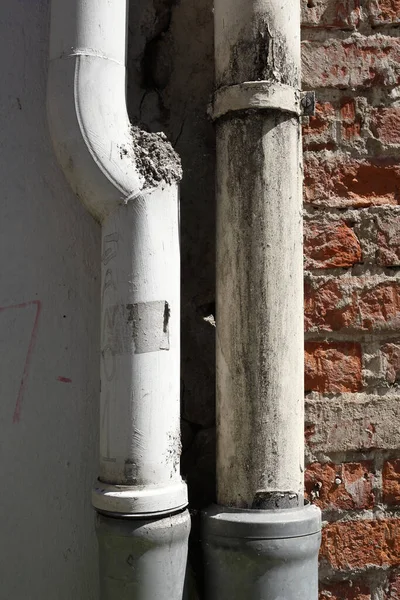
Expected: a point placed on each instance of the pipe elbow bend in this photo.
(91, 132)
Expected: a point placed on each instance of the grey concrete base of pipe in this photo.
(143, 559)
(261, 554)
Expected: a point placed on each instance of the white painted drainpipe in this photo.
(128, 179)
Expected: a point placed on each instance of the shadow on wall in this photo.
(170, 82)
(49, 316)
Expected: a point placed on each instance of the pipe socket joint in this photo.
(139, 502)
(261, 554)
(143, 559)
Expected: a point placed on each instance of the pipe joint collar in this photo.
(258, 95)
(265, 554)
(262, 524)
(139, 501)
(143, 558)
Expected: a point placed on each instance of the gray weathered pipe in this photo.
(259, 257)
(260, 397)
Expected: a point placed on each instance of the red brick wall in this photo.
(351, 58)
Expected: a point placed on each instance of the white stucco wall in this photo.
(49, 315)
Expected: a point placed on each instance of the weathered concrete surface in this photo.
(49, 315)
(155, 158)
(259, 356)
(260, 308)
(352, 422)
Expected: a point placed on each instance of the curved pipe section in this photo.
(87, 113)
(128, 179)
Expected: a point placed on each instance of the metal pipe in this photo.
(260, 397)
(128, 179)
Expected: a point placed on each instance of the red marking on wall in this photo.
(64, 379)
(18, 404)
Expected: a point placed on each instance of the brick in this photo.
(319, 132)
(393, 590)
(382, 12)
(352, 303)
(330, 244)
(388, 239)
(309, 432)
(330, 14)
(348, 109)
(391, 482)
(357, 544)
(352, 422)
(319, 123)
(380, 307)
(332, 367)
(351, 121)
(355, 62)
(391, 362)
(329, 306)
(345, 486)
(344, 591)
(351, 131)
(385, 124)
(340, 181)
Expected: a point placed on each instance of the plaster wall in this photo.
(50, 292)
(49, 315)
